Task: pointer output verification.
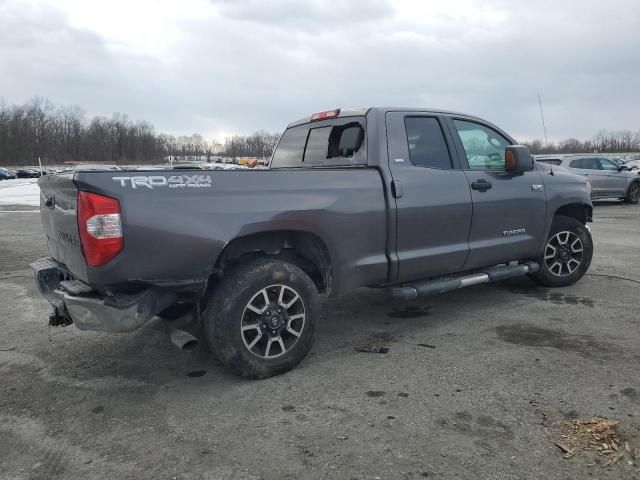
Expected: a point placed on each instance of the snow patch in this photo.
(21, 191)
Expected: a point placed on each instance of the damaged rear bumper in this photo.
(76, 302)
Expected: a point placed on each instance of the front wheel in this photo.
(633, 193)
(567, 253)
(261, 320)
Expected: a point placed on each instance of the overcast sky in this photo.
(235, 66)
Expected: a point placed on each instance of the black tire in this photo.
(633, 193)
(234, 305)
(550, 275)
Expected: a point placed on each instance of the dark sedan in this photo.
(28, 173)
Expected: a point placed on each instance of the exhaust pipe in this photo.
(183, 340)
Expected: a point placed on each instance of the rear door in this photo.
(509, 210)
(432, 196)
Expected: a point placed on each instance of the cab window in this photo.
(320, 146)
(333, 145)
(483, 146)
(427, 147)
(290, 148)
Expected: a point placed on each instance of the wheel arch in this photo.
(304, 249)
(635, 181)
(580, 211)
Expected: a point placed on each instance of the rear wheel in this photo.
(261, 320)
(633, 193)
(567, 253)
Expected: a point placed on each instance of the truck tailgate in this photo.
(58, 197)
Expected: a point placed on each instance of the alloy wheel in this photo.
(563, 253)
(273, 321)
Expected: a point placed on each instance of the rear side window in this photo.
(427, 146)
(323, 146)
(585, 163)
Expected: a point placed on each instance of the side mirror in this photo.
(623, 168)
(517, 159)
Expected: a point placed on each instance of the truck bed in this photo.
(177, 223)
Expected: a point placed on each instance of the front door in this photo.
(431, 194)
(509, 210)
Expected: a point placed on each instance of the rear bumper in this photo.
(82, 305)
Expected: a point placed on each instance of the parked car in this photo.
(608, 179)
(6, 174)
(633, 165)
(85, 167)
(27, 173)
(190, 166)
(414, 201)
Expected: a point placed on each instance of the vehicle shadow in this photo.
(608, 203)
(366, 316)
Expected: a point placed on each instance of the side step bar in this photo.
(441, 285)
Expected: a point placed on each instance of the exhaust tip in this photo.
(184, 340)
(190, 345)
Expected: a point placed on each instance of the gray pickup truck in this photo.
(413, 201)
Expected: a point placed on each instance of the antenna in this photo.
(544, 127)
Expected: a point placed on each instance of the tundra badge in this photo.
(517, 231)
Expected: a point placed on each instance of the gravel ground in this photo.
(471, 380)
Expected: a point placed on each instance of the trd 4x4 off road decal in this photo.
(173, 181)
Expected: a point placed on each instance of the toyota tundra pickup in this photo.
(413, 201)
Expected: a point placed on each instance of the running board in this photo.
(441, 285)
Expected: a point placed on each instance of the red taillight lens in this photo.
(326, 114)
(100, 228)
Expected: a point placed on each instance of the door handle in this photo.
(481, 185)
(396, 188)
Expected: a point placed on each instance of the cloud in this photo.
(305, 15)
(222, 66)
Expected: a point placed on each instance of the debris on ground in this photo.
(371, 348)
(595, 434)
(7, 349)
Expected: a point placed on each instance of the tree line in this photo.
(605, 141)
(57, 135)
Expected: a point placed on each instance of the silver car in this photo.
(608, 180)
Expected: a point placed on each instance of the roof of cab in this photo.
(560, 156)
(359, 112)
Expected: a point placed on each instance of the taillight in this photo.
(100, 228)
